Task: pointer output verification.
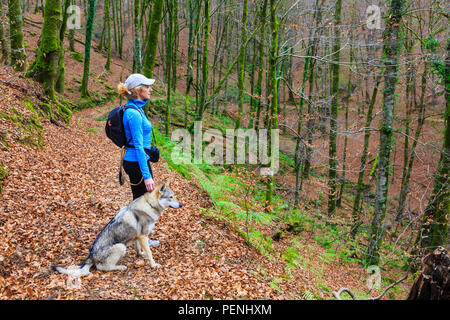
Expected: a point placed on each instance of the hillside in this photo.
(61, 188)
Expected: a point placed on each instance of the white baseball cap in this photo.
(137, 79)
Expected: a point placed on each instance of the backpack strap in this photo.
(125, 107)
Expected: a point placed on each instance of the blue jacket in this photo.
(138, 128)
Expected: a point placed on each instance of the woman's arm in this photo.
(135, 122)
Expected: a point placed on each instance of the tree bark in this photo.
(18, 55)
(87, 49)
(137, 37)
(362, 166)
(108, 35)
(60, 78)
(152, 45)
(272, 79)
(258, 89)
(391, 48)
(241, 69)
(6, 57)
(205, 67)
(45, 67)
(332, 174)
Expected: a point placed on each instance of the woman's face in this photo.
(144, 93)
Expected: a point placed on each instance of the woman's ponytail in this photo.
(123, 91)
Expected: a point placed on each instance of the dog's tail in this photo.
(76, 271)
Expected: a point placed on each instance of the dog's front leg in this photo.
(143, 241)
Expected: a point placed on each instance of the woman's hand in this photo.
(149, 184)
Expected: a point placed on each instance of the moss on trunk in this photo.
(152, 44)
(45, 68)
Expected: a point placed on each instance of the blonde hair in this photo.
(129, 94)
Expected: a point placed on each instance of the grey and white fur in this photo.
(133, 223)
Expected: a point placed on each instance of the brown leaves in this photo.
(56, 201)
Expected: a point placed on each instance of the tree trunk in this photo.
(205, 66)
(120, 25)
(391, 48)
(362, 166)
(108, 35)
(258, 89)
(407, 174)
(272, 79)
(311, 119)
(307, 75)
(18, 56)
(6, 55)
(192, 23)
(169, 56)
(410, 82)
(152, 45)
(137, 37)
(45, 67)
(332, 188)
(175, 40)
(115, 25)
(433, 281)
(60, 80)
(241, 69)
(87, 49)
(347, 101)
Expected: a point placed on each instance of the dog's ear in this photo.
(163, 187)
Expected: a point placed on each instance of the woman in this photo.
(137, 89)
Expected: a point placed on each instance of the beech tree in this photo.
(334, 110)
(45, 67)
(87, 49)
(152, 44)
(391, 49)
(272, 79)
(18, 55)
(4, 46)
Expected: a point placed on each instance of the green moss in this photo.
(91, 130)
(46, 109)
(3, 175)
(64, 112)
(30, 128)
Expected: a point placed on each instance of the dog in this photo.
(133, 223)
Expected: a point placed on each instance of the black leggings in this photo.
(134, 173)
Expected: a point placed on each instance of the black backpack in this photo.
(114, 126)
(115, 130)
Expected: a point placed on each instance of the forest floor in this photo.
(57, 198)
